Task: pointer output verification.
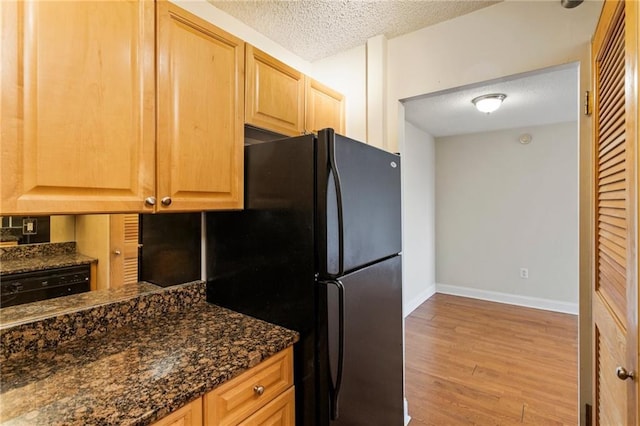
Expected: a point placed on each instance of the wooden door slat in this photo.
(613, 195)
(610, 100)
(605, 258)
(608, 66)
(615, 221)
(620, 241)
(611, 127)
(616, 42)
(611, 170)
(613, 281)
(619, 213)
(614, 251)
(616, 138)
(612, 269)
(620, 158)
(613, 204)
(616, 177)
(620, 232)
(615, 147)
(610, 81)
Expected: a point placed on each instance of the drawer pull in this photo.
(258, 390)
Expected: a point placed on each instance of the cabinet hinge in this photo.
(587, 102)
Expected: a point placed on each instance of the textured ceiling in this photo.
(316, 29)
(542, 97)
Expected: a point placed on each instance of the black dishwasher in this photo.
(26, 287)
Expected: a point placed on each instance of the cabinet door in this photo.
(113, 241)
(77, 112)
(279, 412)
(325, 108)
(275, 94)
(248, 393)
(123, 243)
(189, 415)
(200, 108)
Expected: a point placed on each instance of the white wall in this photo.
(504, 39)
(418, 232)
(501, 205)
(501, 40)
(346, 72)
(376, 90)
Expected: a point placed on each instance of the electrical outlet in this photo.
(524, 273)
(29, 226)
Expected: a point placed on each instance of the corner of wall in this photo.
(415, 302)
(377, 91)
(223, 20)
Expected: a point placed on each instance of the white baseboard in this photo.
(407, 417)
(511, 299)
(419, 300)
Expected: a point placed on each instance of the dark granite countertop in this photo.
(13, 316)
(138, 373)
(30, 264)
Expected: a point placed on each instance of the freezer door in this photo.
(364, 347)
(359, 196)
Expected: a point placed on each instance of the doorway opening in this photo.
(492, 202)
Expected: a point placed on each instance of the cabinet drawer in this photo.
(279, 412)
(237, 399)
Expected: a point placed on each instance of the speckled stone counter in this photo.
(29, 312)
(88, 314)
(38, 257)
(137, 373)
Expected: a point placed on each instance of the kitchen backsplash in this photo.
(104, 311)
(36, 250)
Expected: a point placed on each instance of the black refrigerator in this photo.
(317, 250)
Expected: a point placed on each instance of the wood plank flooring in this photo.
(471, 362)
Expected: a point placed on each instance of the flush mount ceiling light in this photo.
(570, 4)
(489, 103)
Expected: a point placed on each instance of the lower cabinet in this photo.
(189, 415)
(262, 395)
(249, 394)
(279, 412)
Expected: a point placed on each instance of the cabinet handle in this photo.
(258, 390)
(166, 201)
(150, 201)
(117, 252)
(623, 374)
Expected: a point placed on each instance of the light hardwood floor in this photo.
(475, 362)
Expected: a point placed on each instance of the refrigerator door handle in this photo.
(338, 186)
(335, 385)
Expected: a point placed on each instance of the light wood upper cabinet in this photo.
(79, 131)
(200, 114)
(274, 94)
(77, 109)
(324, 108)
(282, 99)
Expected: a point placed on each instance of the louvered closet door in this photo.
(615, 285)
(124, 249)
